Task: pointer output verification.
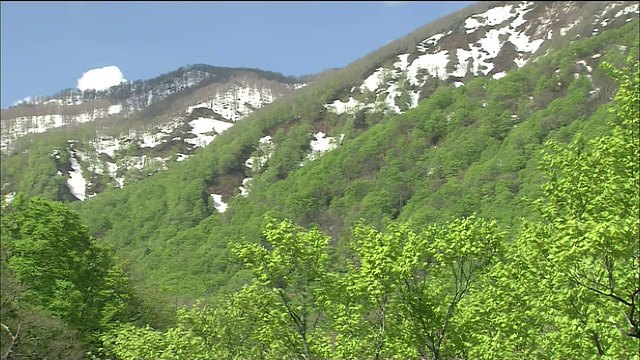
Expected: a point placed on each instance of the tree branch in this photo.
(13, 338)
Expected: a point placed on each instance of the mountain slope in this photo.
(476, 182)
(151, 123)
(498, 37)
(496, 80)
(97, 140)
(467, 148)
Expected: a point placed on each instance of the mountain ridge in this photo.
(484, 39)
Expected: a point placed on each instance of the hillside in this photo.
(88, 141)
(154, 124)
(497, 140)
(448, 157)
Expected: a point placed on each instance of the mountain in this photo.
(143, 125)
(496, 39)
(466, 118)
(424, 164)
(77, 144)
(137, 127)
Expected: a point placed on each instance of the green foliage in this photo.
(64, 270)
(589, 238)
(569, 284)
(293, 269)
(400, 284)
(566, 285)
(551, 275)
(31, 333)
(227, 329)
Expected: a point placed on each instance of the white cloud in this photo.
(101, 78)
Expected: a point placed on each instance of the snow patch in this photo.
(565, 30)
(150, 141)
(520, 62)
(463, 64)
(76, 182)
(430, 41)
(522, 43)
(265, 146)
(487, 48)
(8, 198)
(244, 189)
(236, 102)
(476, 58)
(392, 92)
(201, 126)
(374, 80)
(26, 100)
(107, 145)
(434, 64)
(499, 75)
(493, 16)
(584, 63)
(350, 106)
(606, 10)
(111, 168)
(627, 10)
(181, 157)
(323, 143)
(403, 63)
(415, 96)
(114, 109)
(218, 204)
(54, 101)
(24, 125)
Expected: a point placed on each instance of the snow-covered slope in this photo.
(131, 157)
(487, 43)
(223, 89)
(216, 100)
(188, 108)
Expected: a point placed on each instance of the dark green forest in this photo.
(495, 220)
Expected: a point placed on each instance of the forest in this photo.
(495, 220)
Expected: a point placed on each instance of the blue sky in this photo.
(47, 46)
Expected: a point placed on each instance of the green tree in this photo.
(570, 283)
(590, 233)
(402, 295)
(30, 333)
(66, 272)
(440, 268)
(364, 305)
(292, 266)
(229, 327)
